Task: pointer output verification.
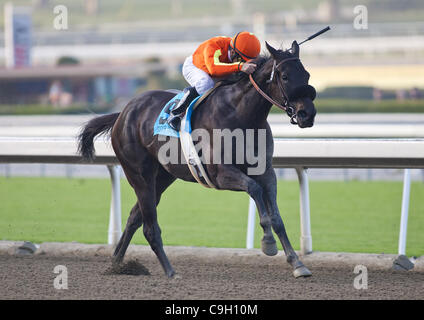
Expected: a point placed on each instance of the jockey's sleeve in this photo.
(214, 65)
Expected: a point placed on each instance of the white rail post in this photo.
(115, 206)
(404, 213)
(250, 237)
(305, 216)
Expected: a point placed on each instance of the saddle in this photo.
(162, 127)
(191, 156)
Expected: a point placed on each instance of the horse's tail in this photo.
(96, 126)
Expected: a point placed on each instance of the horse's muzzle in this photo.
(305, 112)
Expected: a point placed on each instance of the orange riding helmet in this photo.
(246, 44)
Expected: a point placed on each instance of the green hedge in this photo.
(363, 106)
(348, 92)
(322, 105)
(35, 109)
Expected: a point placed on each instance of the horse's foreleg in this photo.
(270, 194)
(231, 178)
(277, 224)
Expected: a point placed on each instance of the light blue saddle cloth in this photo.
(161, 125)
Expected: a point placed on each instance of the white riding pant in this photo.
(197, 77)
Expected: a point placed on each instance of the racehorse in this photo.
(279, 79)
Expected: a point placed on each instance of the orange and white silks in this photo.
(212, 57)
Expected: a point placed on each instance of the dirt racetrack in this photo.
(203, 273)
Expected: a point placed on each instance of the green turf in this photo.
(346, 216)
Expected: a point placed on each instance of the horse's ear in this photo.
(271, 50)
(295, 49)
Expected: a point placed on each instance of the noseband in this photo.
(286, 101)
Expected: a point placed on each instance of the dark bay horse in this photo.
(237, 106)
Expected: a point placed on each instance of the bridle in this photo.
(286, 101)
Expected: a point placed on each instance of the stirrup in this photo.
(190, 93)
(174, 121)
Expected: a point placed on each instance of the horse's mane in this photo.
(239, 76)
(260, 61)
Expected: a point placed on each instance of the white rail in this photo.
(293, 153)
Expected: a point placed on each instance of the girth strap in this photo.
(192, 158)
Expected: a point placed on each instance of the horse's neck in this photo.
(252, 108)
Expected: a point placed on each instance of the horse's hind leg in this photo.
(134, 222)
(163, 180)
(146, 195)
(142, 177)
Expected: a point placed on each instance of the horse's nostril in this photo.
(301, 114)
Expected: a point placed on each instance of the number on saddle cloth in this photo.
(161, 125)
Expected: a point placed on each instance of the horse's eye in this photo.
(285, 78)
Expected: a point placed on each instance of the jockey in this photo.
(215, 58)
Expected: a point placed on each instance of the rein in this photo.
(286, 105)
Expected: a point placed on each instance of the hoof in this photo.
(175, 277)
(269, 248)
(171, 274)
(302, 272)
(116, 261)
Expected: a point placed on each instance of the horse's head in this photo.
(290, 82)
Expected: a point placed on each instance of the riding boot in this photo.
(174, 120)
